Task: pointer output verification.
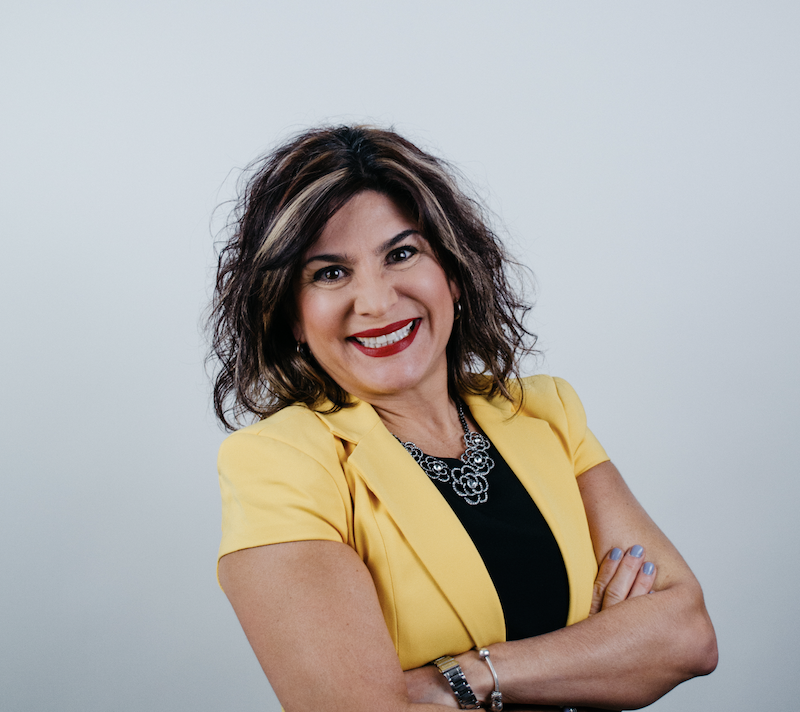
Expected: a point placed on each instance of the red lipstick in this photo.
(390, 349)
(372, 333)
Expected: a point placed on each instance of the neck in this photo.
(430, 422)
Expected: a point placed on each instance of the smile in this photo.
(395, 338)
(387, 339)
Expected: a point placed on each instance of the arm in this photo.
(627, 655)
(311, 614)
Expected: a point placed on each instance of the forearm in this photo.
(624, 657)
(547, 708)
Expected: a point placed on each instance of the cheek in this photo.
(444, 290)
(317, 318)
(437, 293)
(444, 287)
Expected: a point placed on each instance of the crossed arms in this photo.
(312, 616)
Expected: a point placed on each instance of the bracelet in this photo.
(496, 698)
(455, 677)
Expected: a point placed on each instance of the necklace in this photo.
(469, 481)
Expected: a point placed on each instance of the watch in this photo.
(455, 677)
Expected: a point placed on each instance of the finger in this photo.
(644, 580)
(608, 567)
(624, 577)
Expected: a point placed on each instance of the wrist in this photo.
(426, 685)
(477, 672)
(453, 673)
(482, 682)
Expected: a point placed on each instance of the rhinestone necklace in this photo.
(469, 481)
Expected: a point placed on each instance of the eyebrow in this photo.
(383, 247)
(399, 237)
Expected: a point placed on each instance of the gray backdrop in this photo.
(644, 158)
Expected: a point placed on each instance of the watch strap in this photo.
(458, 682)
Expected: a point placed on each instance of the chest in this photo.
(434, 589)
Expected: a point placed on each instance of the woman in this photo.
(406, 498)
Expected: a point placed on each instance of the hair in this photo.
(287, 198)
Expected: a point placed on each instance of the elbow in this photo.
(689, 650)
(695, 656)
(699, 642)
(686, 648)
(706, 655)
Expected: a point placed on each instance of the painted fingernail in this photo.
(648, 568)
(616, 554)
(637, 551)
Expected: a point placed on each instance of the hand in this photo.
(621, 577)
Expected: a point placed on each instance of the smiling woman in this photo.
(285, 206)
(427, 527)
(371, 287)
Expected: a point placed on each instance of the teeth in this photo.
(387, 339)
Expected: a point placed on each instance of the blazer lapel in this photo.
(426, 520)
(536, 456)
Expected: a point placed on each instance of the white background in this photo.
(644, 158)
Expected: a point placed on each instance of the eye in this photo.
(331, 273)
(401, 254)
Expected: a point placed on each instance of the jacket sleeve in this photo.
(584, 448)
(273, 492)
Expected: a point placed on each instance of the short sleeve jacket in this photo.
(304, 475)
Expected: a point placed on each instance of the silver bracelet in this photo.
(496, 698)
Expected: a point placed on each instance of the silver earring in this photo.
(458, 311)
(299, 348)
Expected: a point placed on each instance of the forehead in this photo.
(366, 219)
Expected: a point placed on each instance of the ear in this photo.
(294, 321)
(455, 291)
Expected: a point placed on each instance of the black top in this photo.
(518, 549)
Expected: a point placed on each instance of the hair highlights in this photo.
(287, 200)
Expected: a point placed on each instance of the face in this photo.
(373, 304)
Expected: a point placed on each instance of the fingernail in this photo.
(637, 551)
(616, 554)
(648, 568)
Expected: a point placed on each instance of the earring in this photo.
(299, 347)
(457, 306)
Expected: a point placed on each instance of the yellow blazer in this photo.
(302, 475)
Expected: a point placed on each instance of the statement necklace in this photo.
(469, 481)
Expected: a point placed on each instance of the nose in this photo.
(375, 295)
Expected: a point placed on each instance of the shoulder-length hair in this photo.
(290, 195)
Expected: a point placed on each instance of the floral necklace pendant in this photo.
(469, 481)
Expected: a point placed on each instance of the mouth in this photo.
(388, 340)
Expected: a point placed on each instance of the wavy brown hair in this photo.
(287, 198)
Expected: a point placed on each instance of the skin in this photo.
(309, 608)
(633, 649)
(370, 268)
